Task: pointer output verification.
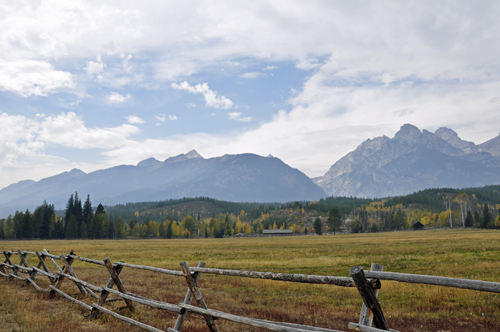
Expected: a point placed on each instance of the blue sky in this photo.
(91, 85)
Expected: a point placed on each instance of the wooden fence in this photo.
(367, 282)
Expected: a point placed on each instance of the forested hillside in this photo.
(207, 217)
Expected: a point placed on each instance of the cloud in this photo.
(270, 68)
(33, 78)
(237, 116)
(307, 64)
(163, 117)
(251, 75)
(211, 98)
(94, 69)
(118, 98)
(134, 119)
(69, 130)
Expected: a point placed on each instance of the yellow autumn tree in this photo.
(239, 226)
(176, 230)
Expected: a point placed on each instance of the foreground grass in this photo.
(407, 307)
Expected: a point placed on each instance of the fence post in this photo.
(197, 295)
(67, 265)
(366, 316)
(7, 260)
(369, 298)
(41, 258)
(187, 300)
(116, 279)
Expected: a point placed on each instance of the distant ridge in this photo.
(236, 178)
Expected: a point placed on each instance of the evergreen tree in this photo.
(77, 212)
(46, 212)
(318, 225)
(83, 231)
(58, 229)
(69, 211)
(72, 228)
(96, 229)
(486, 216)
(2, 231)
(469, 220)
(477, 219)
(100, 209)
(334, 220)
(87, 212)
(26, 231)
(163, 233)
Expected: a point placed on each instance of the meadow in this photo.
(472, 254)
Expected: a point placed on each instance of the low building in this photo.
(277, 232)
(418, 225)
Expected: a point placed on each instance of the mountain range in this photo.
(410, 161)
(237, 178)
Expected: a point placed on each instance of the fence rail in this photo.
(367, 283)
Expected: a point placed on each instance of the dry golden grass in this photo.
(407, 307)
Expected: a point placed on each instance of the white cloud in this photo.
(270, 68)
(134, 119)
(307, 64)
(251, 75)
(161, 118)
(118, 98)
(33, 78)
(211, 98)
(172, 117)
(94, 69)
(69, 130)
(237, 116)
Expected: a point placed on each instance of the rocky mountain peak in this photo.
(492, 146)
(452, 138)
(184, 156)
(409, 133)
(193, 154)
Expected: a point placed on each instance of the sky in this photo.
(95, 84)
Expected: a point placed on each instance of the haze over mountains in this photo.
(410, 161)
(241, 178)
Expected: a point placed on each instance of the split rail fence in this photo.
(367, 283)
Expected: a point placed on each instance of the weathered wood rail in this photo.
(366, 282)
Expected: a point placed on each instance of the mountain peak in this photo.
(184, 156)
(149, 162)
(409, 133)
(193, 154)
(492, 146)
(452, 138)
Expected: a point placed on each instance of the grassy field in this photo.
(469, 254)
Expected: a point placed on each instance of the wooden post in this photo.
(41, 258)
(46, 253)
(369, 298)
(7, 260)
(67, 265)
(366, 316)
(104, 294)
(187, 300)
(197, 295)
(116, 279)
